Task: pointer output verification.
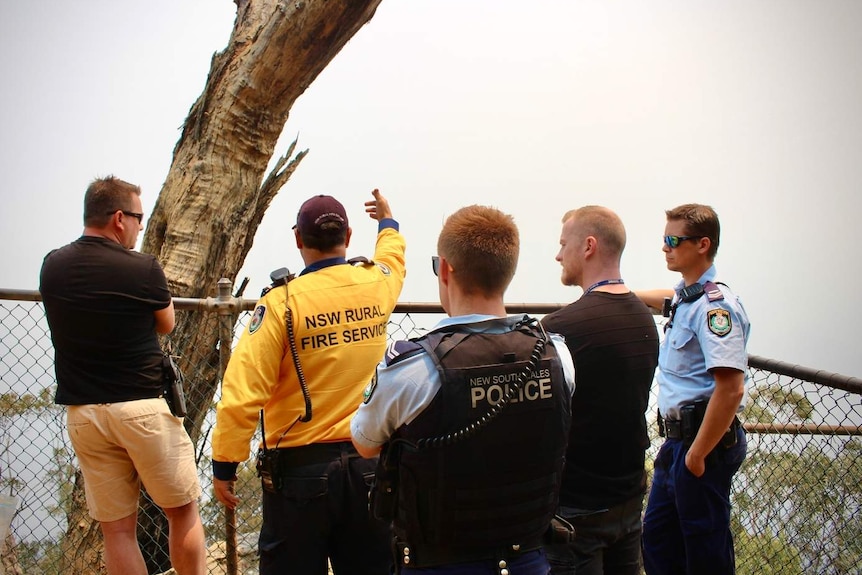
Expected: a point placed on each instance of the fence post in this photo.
(227, 311)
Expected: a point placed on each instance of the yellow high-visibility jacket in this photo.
(340, 313)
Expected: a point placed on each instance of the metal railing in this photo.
(797, 500)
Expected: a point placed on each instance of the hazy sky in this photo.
(533, 107)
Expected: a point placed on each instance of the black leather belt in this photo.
(314, 454)
(673, 429)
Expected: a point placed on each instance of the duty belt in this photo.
(314, 453)
(674, 429)
(421, 556)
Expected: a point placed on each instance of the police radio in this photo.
(267, 464)
(281, 277)
(268, 468)
(172, 381)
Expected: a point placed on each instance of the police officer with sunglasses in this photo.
(702, 376)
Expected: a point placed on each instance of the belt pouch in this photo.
(269, 470)
(688, 423)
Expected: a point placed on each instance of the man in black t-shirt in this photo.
(105, 305)
(614, 342)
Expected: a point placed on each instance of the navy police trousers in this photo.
(686, 526)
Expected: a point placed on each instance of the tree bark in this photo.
(82, 547)
(9, 564)
(215, 194)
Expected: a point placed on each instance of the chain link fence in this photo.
(796, 499)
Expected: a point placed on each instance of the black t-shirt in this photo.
(99, 300)
(614, 343)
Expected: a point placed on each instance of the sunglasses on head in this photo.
(674, 241)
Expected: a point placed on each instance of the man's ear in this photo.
(347, 236)
(703, 245)
(590, 245)
(298, 239)
(115, 219)
(444, 271)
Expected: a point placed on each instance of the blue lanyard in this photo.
(603, 283)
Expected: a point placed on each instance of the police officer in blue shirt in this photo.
(703, 370)
(473, 432)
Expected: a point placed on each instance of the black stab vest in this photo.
(498, 487)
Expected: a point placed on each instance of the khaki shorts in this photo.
(121, 445)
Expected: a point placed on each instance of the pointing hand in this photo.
(378, 208)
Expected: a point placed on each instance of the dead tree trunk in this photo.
(215, 194)
(82, 547)
(9, 564)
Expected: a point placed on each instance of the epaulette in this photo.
(360, 260)
(363, 261)
(401, 350)
(695, 291)
(712, 291)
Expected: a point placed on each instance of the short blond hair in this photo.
(482, 245)
(603, 224)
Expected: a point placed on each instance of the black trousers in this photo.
(320, 513)
(607, 541)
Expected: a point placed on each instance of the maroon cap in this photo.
(321, 215)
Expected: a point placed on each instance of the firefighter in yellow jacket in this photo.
(310, 350)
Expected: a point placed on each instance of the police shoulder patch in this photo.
(718, 321)
(256, 319)
(369, 389)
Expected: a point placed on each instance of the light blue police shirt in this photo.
(703, 335)
(403, 390)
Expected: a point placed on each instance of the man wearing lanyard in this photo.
(703, 367)
(613, 340)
